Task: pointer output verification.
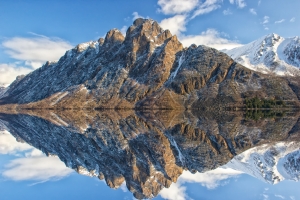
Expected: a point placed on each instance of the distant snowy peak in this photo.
(270, 54)
(270, 163)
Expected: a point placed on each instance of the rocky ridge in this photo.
(146, 69)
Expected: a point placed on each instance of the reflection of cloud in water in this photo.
(9, 144)
(211, 180)
(35, 166)
(39, 168)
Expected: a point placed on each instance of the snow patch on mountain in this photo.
(2, 90)
(270, 163)
(270, 54)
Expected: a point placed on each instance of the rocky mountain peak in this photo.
(101, 41)
(145, 31)
(113, 37)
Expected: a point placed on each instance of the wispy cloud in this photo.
(31, 52)
(35, 50)
(293, 19)
(239, 3)
(206, 7)
(227, 12)
(177, 6)
(253, 11)
(279, 21)
(279, 196)
(36, 168)
(266, 20)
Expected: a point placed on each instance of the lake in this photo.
(159, 154)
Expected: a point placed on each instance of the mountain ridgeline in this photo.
(147, 69)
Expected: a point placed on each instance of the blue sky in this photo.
(32, 32)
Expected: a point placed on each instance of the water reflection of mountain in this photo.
(148, 150)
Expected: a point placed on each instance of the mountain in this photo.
(271, 163)
(146, 69)
(2, 90)
(270, 54)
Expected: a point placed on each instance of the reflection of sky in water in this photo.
(27, 174)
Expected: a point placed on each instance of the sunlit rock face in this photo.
(146, 69)
(147, 150)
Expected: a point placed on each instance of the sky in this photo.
(33, 32)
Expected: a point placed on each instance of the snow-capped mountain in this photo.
(270, 54)
(270, 163)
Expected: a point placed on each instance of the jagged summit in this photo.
(270, 54)
(148, 68)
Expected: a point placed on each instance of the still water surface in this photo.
(162, 155)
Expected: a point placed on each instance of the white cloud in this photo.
(123, 30)
(279, 196)
(211, 180)
(266, 20)
(279, 21)
(211, 38)
(259, 2)
(136, 15)
(176, 6)
(36, 50)
(293, 19)
(174, 192)
(9, 72)
(9, 144)
(252, 11)
(175, 24)
(206, 7)
(239, 3)
(37, 167)
(227, 12)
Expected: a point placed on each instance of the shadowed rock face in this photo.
(149, 69)
(148, 150)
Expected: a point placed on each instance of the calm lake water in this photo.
(110, 154)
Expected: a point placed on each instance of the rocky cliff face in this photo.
(149, 68)
(271, 54)
(147, 150)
